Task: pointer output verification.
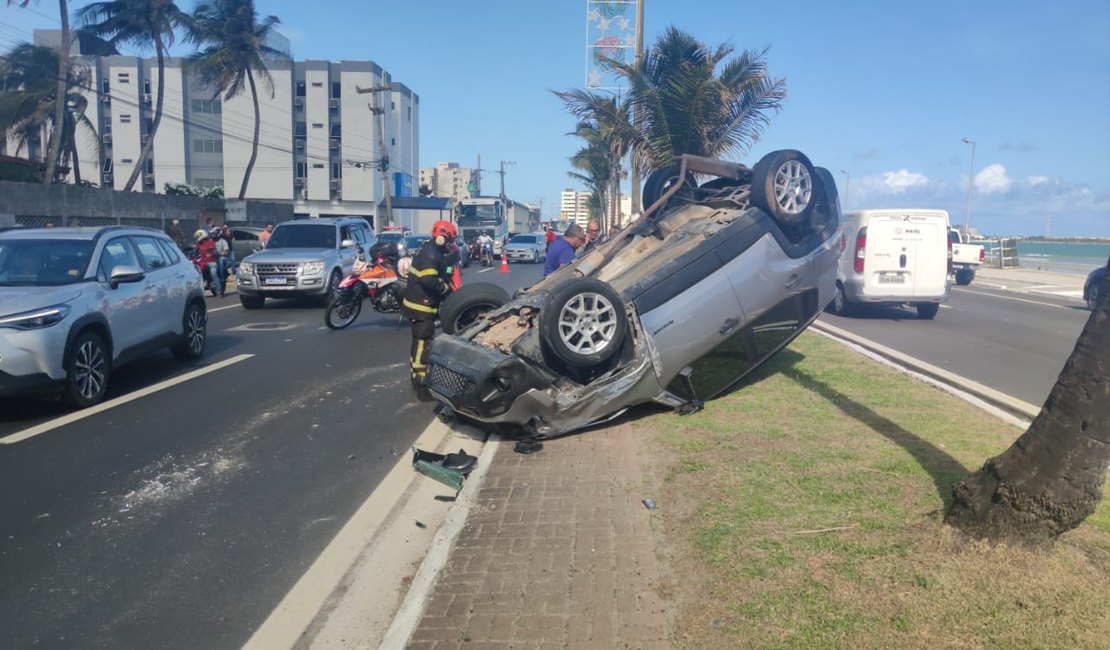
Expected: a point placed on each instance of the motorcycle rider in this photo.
(207, 259)
(429, 282)
(485, 245)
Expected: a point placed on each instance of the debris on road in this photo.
(449, 469)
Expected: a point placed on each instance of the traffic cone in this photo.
(504, 263)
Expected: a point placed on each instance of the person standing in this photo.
(228, 235)
(562, 250)
(429, 282)
(549, 237)
(592, 231)
(176, 233)
(208, 259)
(264, 236)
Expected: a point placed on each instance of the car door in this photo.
(167, 308)
(129, 312)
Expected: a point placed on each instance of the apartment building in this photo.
(574, 206)
(449, 179)
(320, 145)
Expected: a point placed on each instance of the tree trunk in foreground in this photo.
(54, 146)
(1051, 478)
(254, 140)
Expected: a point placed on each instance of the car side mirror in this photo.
(123, 274)
(349, 243)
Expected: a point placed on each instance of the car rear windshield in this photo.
(523, 239)
(43, 262)
(391, 236)
(413, 242)
(314, 236)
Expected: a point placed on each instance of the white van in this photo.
(896, 257)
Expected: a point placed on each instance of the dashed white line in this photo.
(50, 425)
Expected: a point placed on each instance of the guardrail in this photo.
(1000, 253)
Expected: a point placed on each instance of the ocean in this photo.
(1063, 257)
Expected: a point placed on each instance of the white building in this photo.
(319, 143)
(449, 179)
(574, 206)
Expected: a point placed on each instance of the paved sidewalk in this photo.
(1031, 281)
(558, 552)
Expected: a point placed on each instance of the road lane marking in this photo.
(995, 295)
(212, 311)
(49, 425)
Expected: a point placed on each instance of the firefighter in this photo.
(429, 282)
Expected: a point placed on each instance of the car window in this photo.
(117, 252)
(245, 235)
(151, 255)
(345, 233)
(523, 239)
(33, 262)
(303, 236)
(170, 250)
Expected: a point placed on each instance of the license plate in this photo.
(272, 281)
(892, 279)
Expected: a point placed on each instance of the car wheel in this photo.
(194, 335)
(583, 322)
(840, 305)
(469, 303)
(782, 186)
(1092, 298)
(251, 302)
(331, 289)
(964, 277)
(661, 180)
(87, 374)
(927, 310)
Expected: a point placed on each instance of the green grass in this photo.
(826, 439)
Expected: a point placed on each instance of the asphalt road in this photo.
(1013, 342)
(180, 519)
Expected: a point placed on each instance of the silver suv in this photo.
(75, 303)
(303, 258)
(527, 247)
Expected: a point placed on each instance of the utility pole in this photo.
(384, 160)
(636, 198)
(502, 173)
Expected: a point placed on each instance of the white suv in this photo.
(75, 303)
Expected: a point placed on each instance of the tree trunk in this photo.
(145, 153)
(71, 149)
(54, 147)
(254, 142)
(1051, 478)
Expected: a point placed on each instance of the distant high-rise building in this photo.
(319, 144)
(574, 206)
(449, 179)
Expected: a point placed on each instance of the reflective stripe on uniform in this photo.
(418, 307)
(422, 273)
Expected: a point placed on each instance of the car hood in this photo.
(521, 246)
(278, 255)
(16, 300)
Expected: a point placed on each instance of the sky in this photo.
(880, 92)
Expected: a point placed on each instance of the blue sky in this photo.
(882, 90)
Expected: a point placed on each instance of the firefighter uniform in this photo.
(428, 285)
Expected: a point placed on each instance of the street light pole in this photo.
(383, 163)
(502, 172)
(970, 184)
(847, 184)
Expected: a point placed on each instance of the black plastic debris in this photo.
(420, 524)
(527, 446)
(449, 469)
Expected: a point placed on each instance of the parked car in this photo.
(246, 242)
(529, 247)
(412, 243)
(1093, 286)
(77, 303)
(676, 309)
(304, 258)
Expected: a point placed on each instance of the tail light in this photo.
(861, 249)
(949, 256)
(982, 254)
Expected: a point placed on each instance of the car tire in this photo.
(342, 310)
(783, 186)
(87, 370)
(583, 322)
(927, 310)
(964, 277)
(661, 180)
(468, 304)
(330, 288)
(840, 304)
(1092, 299)
(194, 335)
(252, 302)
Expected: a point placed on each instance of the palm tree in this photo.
(685, 106)
(234, 52)
(28, 101)
(54, 146)
(142, 24)
(1052, 477)
(593, 162)
(606, 126)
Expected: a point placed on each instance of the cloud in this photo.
(899, 181)
(1019, 147)
(1033, 181)
(993, 179)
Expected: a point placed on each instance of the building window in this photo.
(393, 141)
(146, 86)
(126, 161)
(317, 125)
(123, 77)
(209, 106)
(299, 130)
(317, 165)
(336, 170)
(300, 89)
(317, 84)
(207, 182)
(204, 145)
(106, 86)
(107, 165)
(335, 130)
(150, 165)
(335, 89)
(124, 118)
(300, 170)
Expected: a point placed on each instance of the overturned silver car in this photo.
(677, 309)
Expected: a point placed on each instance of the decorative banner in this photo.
(610, 33)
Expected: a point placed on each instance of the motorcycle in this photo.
(209, 282)
(378, 282)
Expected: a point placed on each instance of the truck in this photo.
(966, 257)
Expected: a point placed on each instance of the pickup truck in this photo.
(966, 258)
